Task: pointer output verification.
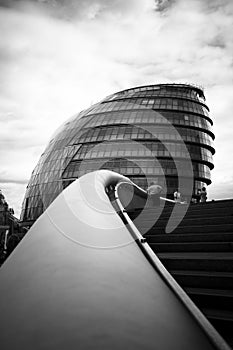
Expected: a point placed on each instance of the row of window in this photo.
(120, 133)
(50, 176)
(160, 88)
(140, 171)
(180, 93)
(148, 117)
(168, 87)
(154, 133)
(149, 149)
(69, 137)
(146, 149)
(77, 169)
(122, 162)
(160, 103)
(52, 170)
(157, 99)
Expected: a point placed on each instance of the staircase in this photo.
(199, 255)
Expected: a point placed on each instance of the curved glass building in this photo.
(138, 132)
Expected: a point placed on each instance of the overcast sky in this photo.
(58, 57)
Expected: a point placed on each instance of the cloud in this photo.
(77, 9)
(58, 57)
(163, 5)
(221, 189)
(11, 181)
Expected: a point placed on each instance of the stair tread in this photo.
(187, 226)
(201, 273)
(201, 207)
(209, 291)
(187, 235)
(191, 243)
(207, 238)
(187, 218)
(201, 247)
(218, 314)
(197, 255)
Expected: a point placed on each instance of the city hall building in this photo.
(144, 133)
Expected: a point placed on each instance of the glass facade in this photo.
(139, 133)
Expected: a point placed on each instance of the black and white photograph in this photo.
(116, 174)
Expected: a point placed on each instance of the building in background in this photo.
(11, 231)
(139, 133)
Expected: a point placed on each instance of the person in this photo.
(203, 195)
(198, 196)
(154, 191)
(177, 196)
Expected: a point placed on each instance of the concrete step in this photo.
(201, 237)
(220, 208)
(214, 204)
(168, 206)
(184, 220)
(145, 227)
(225, 203)
(192, 247)
(208, 213)
(217, 261)
(211, 298)
(217, 220)
(203, 279)
(190, 223)
(224, 315)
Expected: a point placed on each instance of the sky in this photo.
(57, 57)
